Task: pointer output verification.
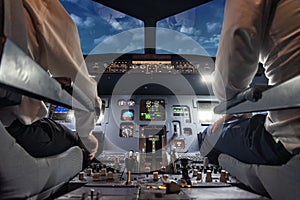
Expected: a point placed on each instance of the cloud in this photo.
(89, 22)
(184, 44)
(76, 19)
(80, 22)
(110, 16)
(213, 27)
(116, 25)
(187, 30)
(124, 42)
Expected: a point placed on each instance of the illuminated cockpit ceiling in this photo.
(193, 31)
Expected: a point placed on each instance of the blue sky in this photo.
(97, 23)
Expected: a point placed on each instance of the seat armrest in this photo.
(279, 182)
(22, 175)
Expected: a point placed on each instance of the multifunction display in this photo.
(127, 115)
(61, 114)
(152, 110)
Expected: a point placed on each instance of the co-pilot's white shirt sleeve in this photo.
(238, 53)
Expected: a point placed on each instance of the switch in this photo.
(208, 176)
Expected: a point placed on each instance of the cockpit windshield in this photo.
(105, 30)
(97, 23)
(201, 26)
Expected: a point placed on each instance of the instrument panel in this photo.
(149, 67)
(148, 123)
(133, 122)
(182, 179)
(149, 64)
(154, 109)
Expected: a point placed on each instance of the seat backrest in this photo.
(7, 98)
(31, 80)
(21, 175)
(14, 22)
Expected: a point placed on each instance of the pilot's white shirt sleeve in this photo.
(54, 43)
(30, 110)
(238, 53)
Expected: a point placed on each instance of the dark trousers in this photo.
(46, 137)
(248, 141)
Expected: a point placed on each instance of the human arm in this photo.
(53, 42)
(239, 48)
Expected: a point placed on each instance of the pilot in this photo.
(257, 31)
(50, 37)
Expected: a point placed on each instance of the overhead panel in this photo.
(153, 10)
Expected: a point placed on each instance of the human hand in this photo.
(91, 144)
(219, 123)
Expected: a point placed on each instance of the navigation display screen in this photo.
(62, 114)
(59, 109)
(152, 110)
